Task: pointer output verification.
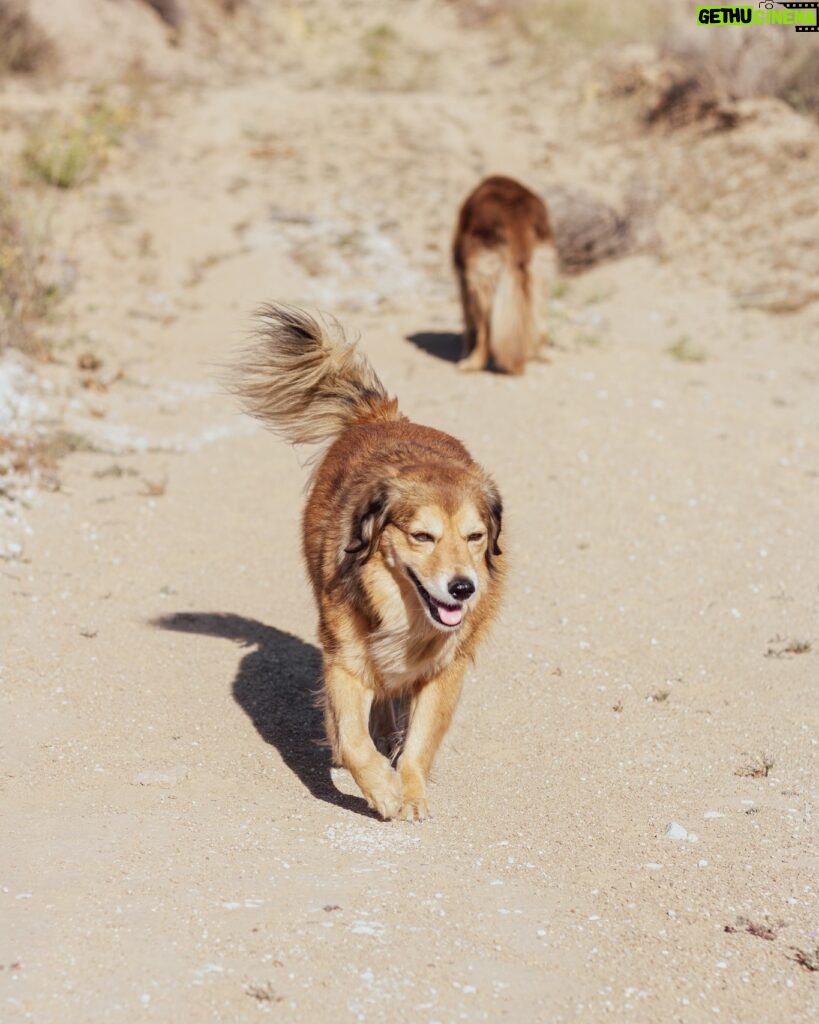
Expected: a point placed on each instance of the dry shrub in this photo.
(172, 12)
(586, 230)
(551, 25)
(700, 77)
(24, 47)
(800, 81)
(232, 6)
(175, 12)
(26, 298)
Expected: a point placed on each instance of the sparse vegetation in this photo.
(171, 12)
(586, 230)
(66, 154)
(758, 767)
(686, 350)
(24, 47)
(114, 471)
(807, 958)
(387, 61)
(701, 77)
(26, 298)
(780, 647)
(38, 455)
(378, 44)
(263, 993)
(767, 930)
(555, 25)
(800, 82)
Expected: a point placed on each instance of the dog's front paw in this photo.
(381, 786)
(415, 810)
(414, 806)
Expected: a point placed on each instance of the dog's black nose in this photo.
(461, 588)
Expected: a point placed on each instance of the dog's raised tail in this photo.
(304, 380)
(513, 327)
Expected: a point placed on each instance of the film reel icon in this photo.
(800, 7)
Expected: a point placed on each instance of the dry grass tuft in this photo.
(388, 61)
(36, 456)
(378, 44)
(24, 47)
(685, 350)
(767, 930)
(782, 647)
(65, 154)
(701, 77)
(757, 768)
(26, 299)
(807, 958)
(263, 993)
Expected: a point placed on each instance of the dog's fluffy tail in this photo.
(513, 327)
(305, 381)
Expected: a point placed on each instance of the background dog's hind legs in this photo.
(478, 357)
(477, 303)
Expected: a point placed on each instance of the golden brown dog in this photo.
(400, 536)
(499, 226)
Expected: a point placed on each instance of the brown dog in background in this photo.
(400, 535)
(499, 226)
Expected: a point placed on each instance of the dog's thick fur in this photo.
(499, 226)
(401, 539)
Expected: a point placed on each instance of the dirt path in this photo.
(175, 847)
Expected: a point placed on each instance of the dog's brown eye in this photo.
(422, 538)
(475, 537)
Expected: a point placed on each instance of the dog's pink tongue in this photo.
(450, 616)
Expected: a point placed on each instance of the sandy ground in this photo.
(175, 847)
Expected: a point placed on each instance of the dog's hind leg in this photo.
(347, 714)
(478, 357)
(384, 729)
(433, 705)
(470, 333)
(476, 335)
(482, 275)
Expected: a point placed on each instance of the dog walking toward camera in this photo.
(500, 225)
(401, 538)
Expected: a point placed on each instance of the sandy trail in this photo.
(175, 846)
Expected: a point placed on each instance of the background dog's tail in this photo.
(305, 381)
(513, 326)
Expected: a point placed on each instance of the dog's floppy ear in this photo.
(367, 526)
(494, 518)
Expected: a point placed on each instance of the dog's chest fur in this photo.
(405, 649)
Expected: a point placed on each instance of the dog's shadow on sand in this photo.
(276, 685)
(444, 345)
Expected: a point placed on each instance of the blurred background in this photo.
(147, 144)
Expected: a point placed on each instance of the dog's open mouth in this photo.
(450, 615)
